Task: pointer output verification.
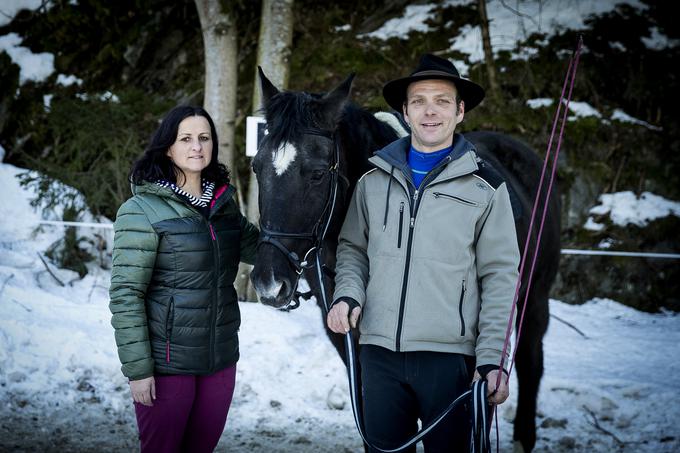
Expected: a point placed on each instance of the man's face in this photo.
(432, 113)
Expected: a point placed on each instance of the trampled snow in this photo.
(607, 384)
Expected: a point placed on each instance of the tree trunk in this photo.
(488, 52)
(221, 73)
(273, 54)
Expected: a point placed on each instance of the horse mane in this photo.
(288, 113)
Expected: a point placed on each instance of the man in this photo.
(428, 256)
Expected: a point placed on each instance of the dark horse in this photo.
(307, 166)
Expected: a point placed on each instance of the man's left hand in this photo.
(495, 396)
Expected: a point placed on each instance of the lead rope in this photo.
(568, 80)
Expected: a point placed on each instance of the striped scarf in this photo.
(203, 202)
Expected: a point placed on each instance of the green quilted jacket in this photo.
(172, 296)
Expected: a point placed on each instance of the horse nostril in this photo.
(286, 288)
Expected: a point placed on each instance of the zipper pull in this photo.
(401, 208)
(415, 196)
(413, 219)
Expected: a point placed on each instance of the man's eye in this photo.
(417, 101)
(444, 101)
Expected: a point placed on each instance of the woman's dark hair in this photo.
(155, 165)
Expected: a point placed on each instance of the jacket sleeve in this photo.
(249, 237)
(497, 270)
(134, 255)
(352, 264)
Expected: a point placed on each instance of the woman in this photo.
(178, 242)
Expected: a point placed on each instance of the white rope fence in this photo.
(672, 256)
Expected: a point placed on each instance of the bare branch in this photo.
(11, 276)
(519, 13)
(49, 270)
(569, 324)
(597, 425)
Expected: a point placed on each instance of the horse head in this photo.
(302, 184)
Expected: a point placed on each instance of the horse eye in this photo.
(318, 175)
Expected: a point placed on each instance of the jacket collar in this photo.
(222, 195)
(462, 160)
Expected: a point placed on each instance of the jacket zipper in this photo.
(401, 223)
(169, 321)
(213, 302)
(409, 243)
(453, 197)
(460, 311)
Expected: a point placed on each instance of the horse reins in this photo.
(320, 228)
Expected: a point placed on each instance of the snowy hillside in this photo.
(606, 387)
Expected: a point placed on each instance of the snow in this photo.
(60, 383)
(413, 19)
(33, 66)
(10, 8)
(47, 101)
(539, 102)
(509, 24)
(620, 115)
(658, 41)
(626, 208)
(68, 80)
(582, 110)
(106, 96)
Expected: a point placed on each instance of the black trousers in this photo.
(401, 387)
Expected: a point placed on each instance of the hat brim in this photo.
(394, 91)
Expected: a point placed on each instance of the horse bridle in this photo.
(320, 228)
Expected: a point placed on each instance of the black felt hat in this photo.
(433, 67)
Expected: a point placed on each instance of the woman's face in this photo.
(192, 150)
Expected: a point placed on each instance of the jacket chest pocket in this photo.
(446, 196)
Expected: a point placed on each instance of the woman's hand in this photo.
(144, 391)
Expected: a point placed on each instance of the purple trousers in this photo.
(188, 414)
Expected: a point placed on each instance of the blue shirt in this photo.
(421, 163)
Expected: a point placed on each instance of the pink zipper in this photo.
(167, 351)
(212, 232)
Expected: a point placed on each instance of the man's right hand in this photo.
(144, 391)
(339, 319)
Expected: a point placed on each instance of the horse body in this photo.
(296, 180)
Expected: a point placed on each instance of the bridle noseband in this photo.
(318, 232)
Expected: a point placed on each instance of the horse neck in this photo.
(361, 135)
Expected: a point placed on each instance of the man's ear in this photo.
(460, 114)
(404, 109)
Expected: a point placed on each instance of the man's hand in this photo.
(338, 319)
(144, 391)
(495, 396)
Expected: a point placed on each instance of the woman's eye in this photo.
(184, 139)
(204, 138)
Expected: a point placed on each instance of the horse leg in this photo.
(529, 364)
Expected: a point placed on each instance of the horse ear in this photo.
(334, 102)
(268, 88)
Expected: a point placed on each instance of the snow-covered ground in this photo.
(608, 385)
